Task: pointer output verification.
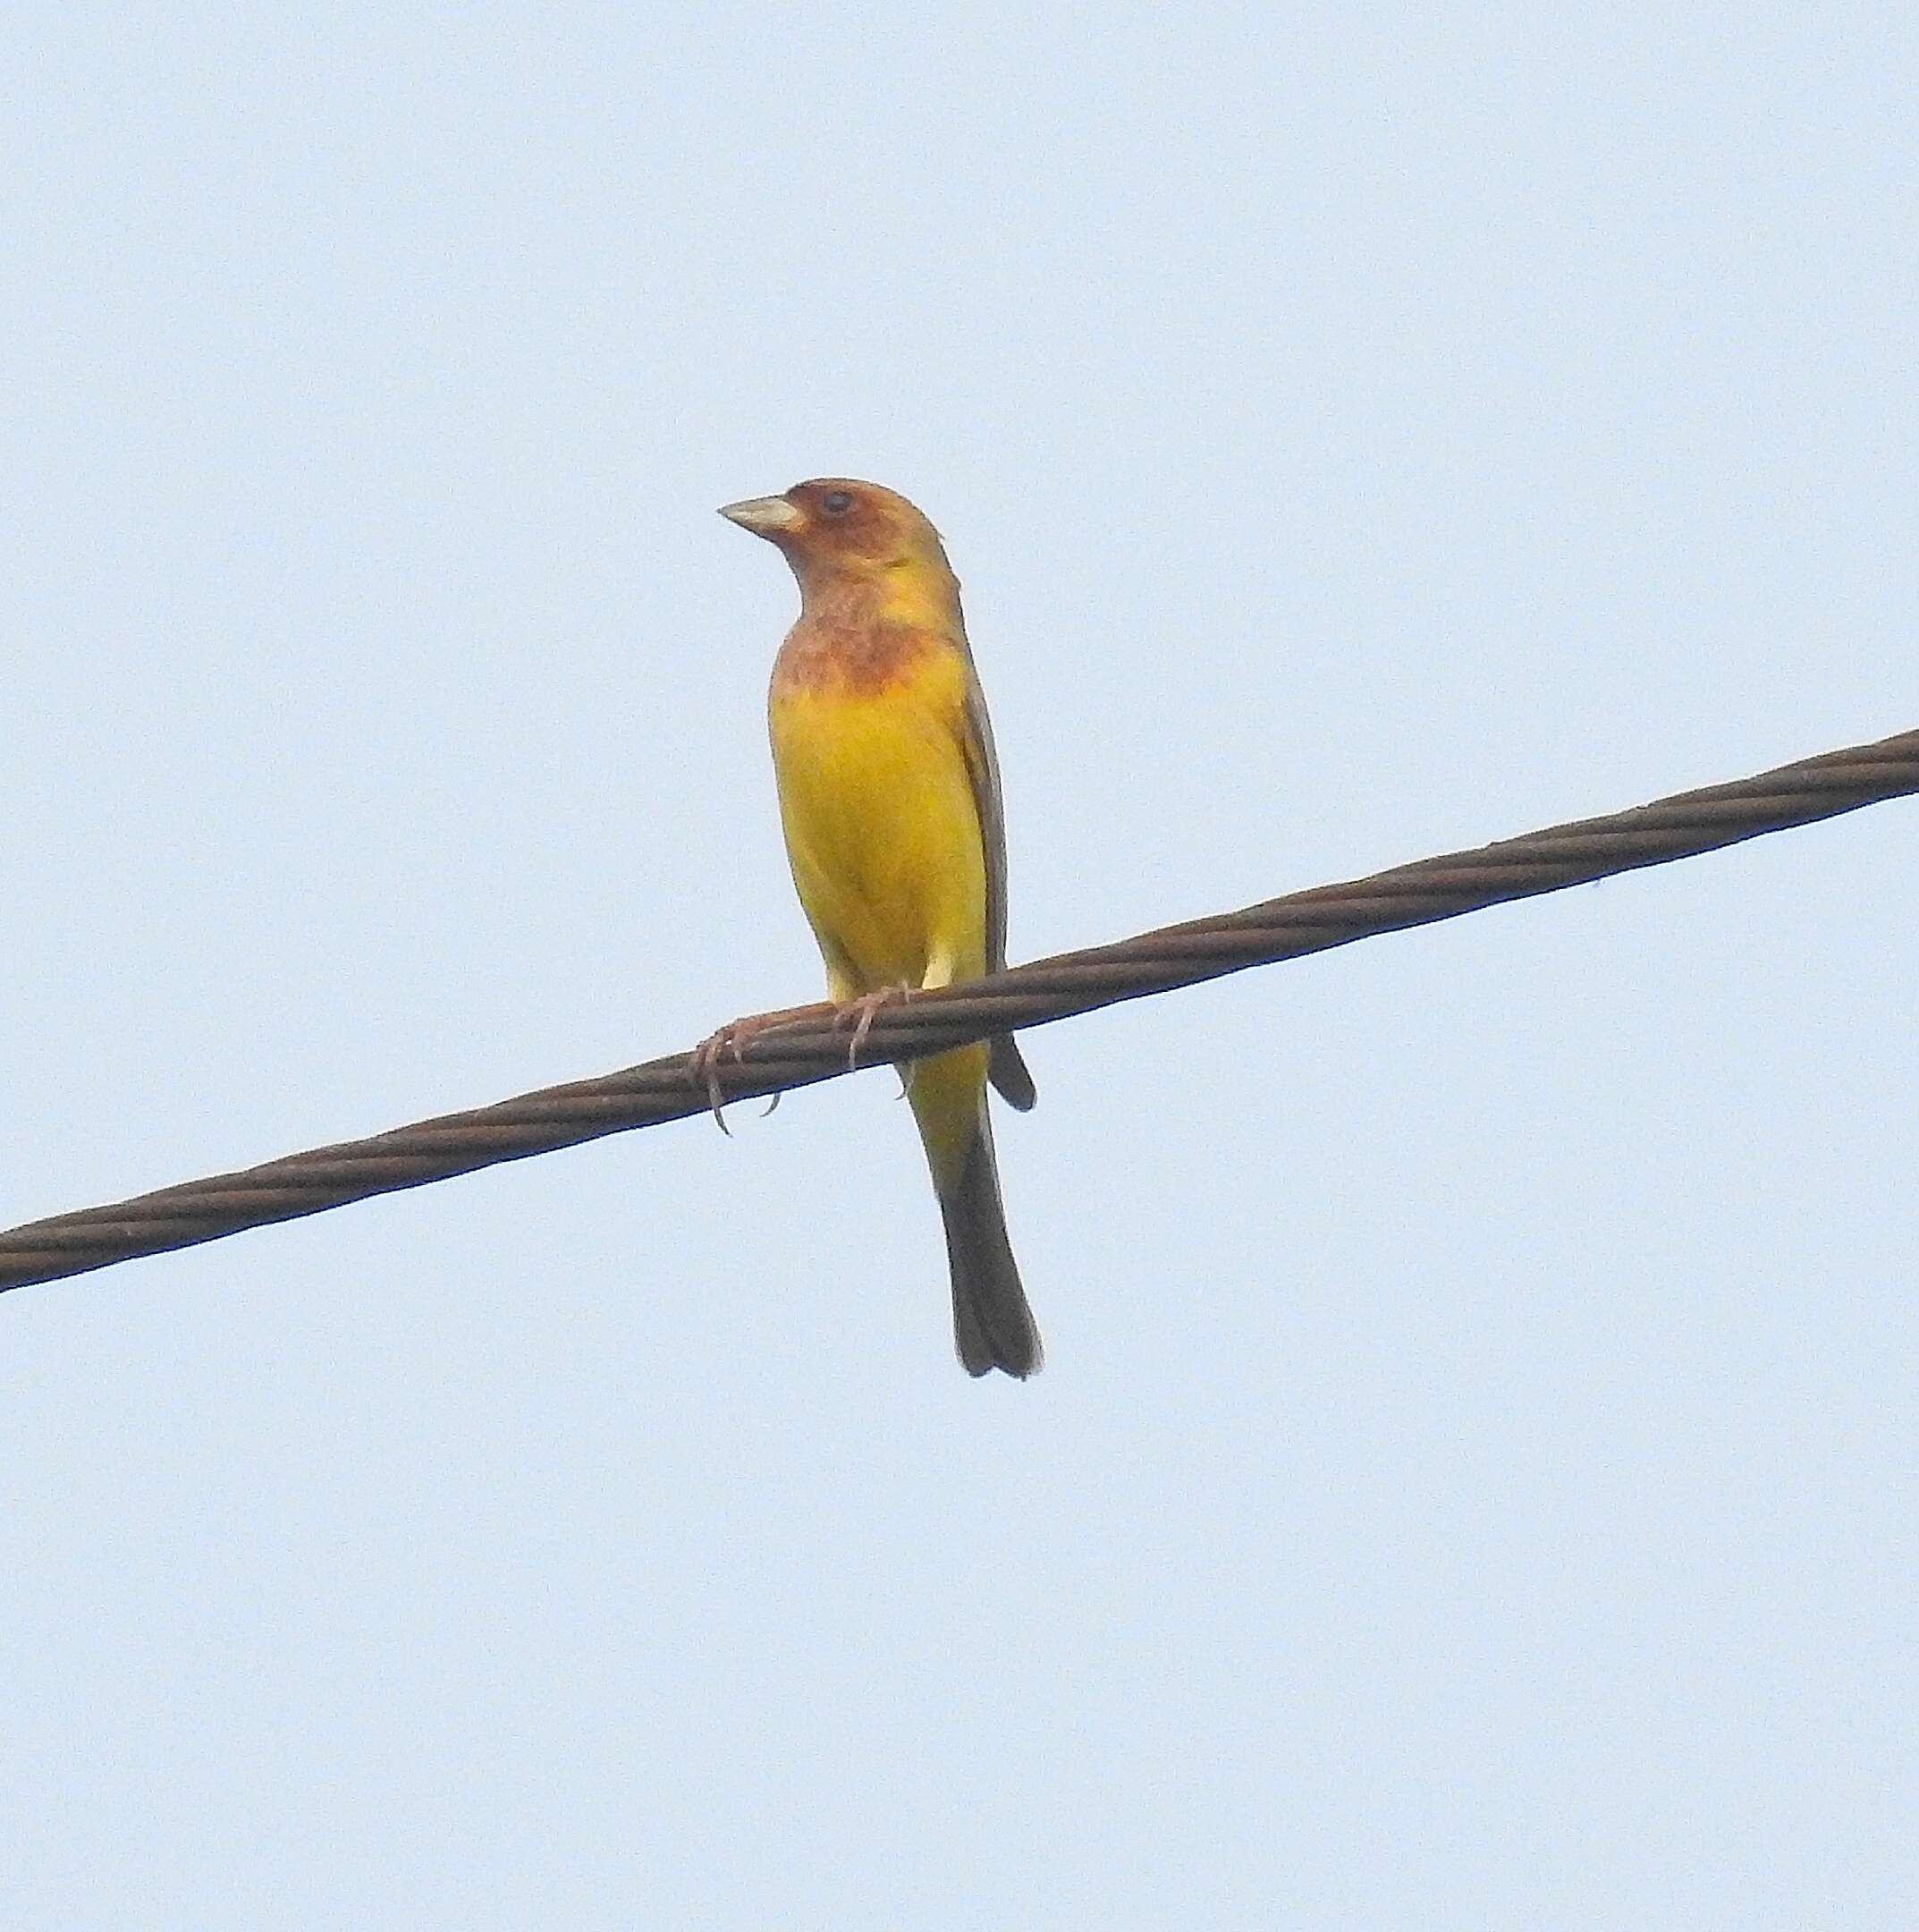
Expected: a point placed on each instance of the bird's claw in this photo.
(730, 1043)
(703, 1066)
(859, 1014)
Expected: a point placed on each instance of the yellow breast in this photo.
(879, 821)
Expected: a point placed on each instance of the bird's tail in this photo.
(992, 1327)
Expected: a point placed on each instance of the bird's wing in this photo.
(1005, 1068)
(983, 770)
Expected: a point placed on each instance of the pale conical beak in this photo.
(764, 516)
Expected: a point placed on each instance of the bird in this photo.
(889, 794)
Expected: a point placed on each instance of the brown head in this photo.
(837, 531)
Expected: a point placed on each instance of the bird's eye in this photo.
(837, 503)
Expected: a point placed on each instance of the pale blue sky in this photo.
(1473, 1479)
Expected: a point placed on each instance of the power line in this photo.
(815, 1047)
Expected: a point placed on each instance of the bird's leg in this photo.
(859, 1013)
(703, 1066)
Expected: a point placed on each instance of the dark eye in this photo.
(837, 503)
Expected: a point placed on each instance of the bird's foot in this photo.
(859, 1014)
(730, 1042)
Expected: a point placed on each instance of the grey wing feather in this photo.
(1005, 1069)
(984, 769)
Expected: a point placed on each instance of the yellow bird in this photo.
(890, 799)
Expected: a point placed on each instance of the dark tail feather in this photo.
(992, 1327)
(1008, 1073)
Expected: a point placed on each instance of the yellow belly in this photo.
(881, 830)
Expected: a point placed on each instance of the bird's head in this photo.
(838, 527)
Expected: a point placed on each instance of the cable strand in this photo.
(805, 1051)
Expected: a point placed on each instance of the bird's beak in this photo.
(764, 516)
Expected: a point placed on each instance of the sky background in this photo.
(1473, 1480)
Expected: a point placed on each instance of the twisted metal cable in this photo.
(815, 1044)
